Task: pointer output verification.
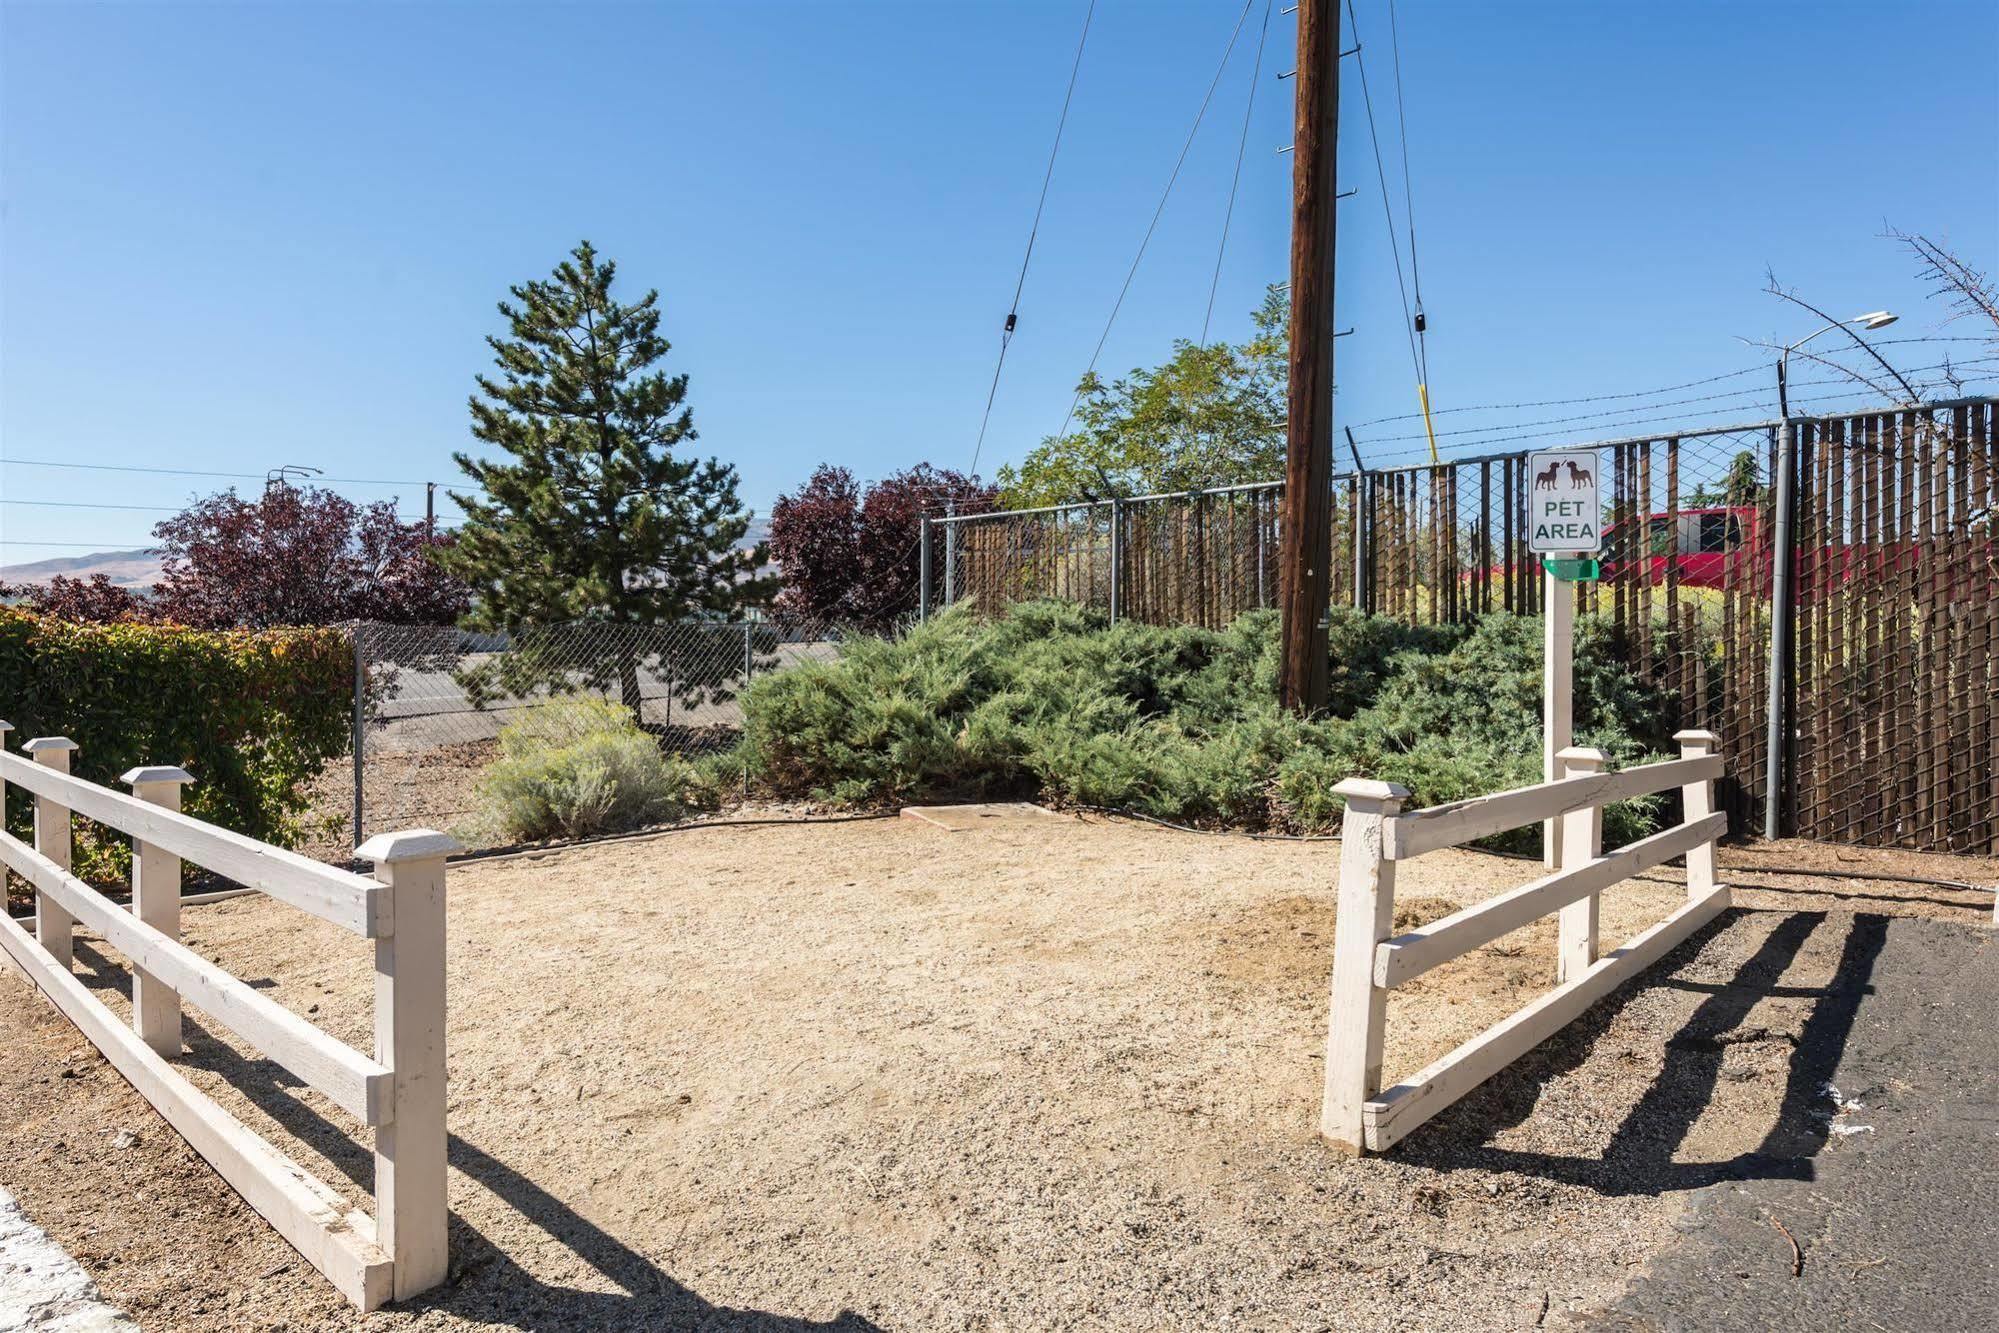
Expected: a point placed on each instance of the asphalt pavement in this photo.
(1895, 1217)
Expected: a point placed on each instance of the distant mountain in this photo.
(128, 569)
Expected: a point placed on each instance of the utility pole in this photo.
(430, 511)
(1306, 556)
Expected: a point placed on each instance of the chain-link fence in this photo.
(433, 701)
(1885, 655)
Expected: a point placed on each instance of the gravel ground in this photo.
(1049, 1074)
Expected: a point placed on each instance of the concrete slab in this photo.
(44, 1290)
(962, 818)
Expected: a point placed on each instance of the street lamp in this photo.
(1776, 757)
(1878, 319)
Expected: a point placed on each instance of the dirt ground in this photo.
(1047, 1074)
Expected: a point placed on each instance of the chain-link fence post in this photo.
(1362, 494)
(360, 727)
(950, 553)
(1117, 559)
(1776, 769)
(923, 573)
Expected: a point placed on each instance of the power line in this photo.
(1242, 145)
(198, 472)
(1165, 194)
(107, 547)
(82, 504)
(1013, 310)
(1387, 211)
(1408, 188)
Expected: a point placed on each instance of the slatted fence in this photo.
(1886, 651)
(398, 1090)
(1369, 961)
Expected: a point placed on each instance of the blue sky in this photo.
(238, 236)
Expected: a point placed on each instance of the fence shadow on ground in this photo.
(486, 1285)
(1639, 1158)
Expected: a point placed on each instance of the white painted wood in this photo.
(1697, 796)
(335, 1239)
(355, 1083)
(1439, 826)
(1400, 960)
(156, 901)
(1582, 843)
(54, 928)
(1366, 913)
(1558, 672)
(1390, 1117)
(410, 1206)
(339, 896)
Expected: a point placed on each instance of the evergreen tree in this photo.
(592, 512)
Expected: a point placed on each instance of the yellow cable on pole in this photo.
(1423, 396)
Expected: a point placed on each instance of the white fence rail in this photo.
(398, 1090)
(1367, 962)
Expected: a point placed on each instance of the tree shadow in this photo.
(487, 1285)
(1639, 1157)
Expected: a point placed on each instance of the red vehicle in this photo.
(1703, 548)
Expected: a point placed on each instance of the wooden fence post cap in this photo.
(1695, 737)
(1371, 790)
(41, 743)
(417, 844)
(5, 726)
(1582, 754)
(156, 773)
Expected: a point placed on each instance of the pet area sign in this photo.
(1564, 502)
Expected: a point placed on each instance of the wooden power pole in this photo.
(1305, 560)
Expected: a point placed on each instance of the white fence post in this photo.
(54, 928)
(1366, 917)
(1698, 800)
(1581, 843)
(156, 901)
(410, 1208)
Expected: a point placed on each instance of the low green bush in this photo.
(1053, 701)
(578, 767)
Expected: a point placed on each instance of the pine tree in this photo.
(593, 513)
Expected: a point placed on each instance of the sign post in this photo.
(1564, 528)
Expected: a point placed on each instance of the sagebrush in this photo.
(580, 767)
(1052, 701)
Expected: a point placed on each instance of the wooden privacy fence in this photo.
(399, 1090)
(1368, 962)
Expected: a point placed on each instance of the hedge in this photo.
(253, 716)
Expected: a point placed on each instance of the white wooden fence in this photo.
(1367, 963)
(399, 1090)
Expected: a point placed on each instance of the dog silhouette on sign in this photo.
(1577, 476)
(1545, 481)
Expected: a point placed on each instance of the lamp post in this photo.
(1777, 700)
(1878, 319)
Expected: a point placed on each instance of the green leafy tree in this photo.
(591, 510)
(1212, 415)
